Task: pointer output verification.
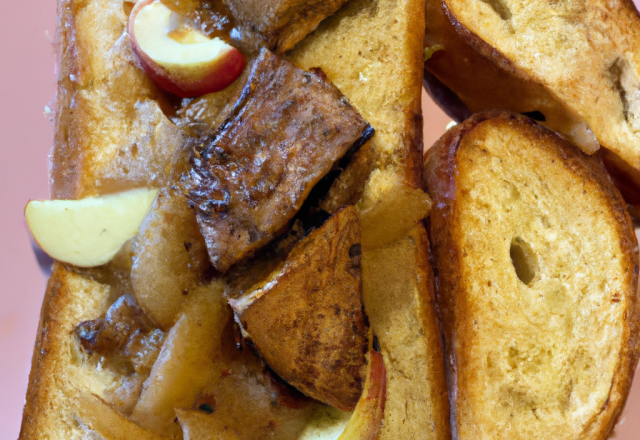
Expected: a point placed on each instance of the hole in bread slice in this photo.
(524, 260)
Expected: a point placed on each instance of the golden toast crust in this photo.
(459, 310)
(110, 130)
(55, 376)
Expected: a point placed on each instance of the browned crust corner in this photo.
(41, 376)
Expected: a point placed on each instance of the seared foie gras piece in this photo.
(306, 317)
(280, 24)
(284, 134)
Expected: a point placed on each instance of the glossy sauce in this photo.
(210, 17)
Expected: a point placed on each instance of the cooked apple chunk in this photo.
(88, 232)
(249, 179)
(178, 57)
(189, 360)
(247, 405)
(109, 424)
(306, 318)
(169, 258)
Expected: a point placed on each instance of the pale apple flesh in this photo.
(366, 421)
(191, 357)
(178, 58)
(101, 418)
(88, 232)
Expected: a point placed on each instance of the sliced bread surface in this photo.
(372, 51)
(537, 277)
(585, 54)
(58, 373)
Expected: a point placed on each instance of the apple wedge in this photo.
(178, 58)
(100, 417)
(366, 420)
(389, 209)
(169, 257)
(88, 232)
(190, 359)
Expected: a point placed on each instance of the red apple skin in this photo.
(366, 420)
(218, 76)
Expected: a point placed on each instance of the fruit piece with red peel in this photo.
(364, 423)
(178, 58)
(366, 420)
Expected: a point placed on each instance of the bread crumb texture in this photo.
(585, 52)
(59, 364)
(540, 304)
(111, 133)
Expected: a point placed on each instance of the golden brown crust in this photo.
(550, 56)
(381, 76)
(307, 318)
(442, 171)
(110, 130)
(482, 81)
(69, 299)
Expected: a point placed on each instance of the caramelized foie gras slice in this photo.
(306, 318)
(280, 24)
(285, 133)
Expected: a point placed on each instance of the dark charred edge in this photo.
(444, 97)
(367, 134)
(443, 340)
(414, 146)
(310, 213)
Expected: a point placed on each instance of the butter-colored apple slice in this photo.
(88, 232)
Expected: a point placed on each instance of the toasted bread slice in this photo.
(368, 50)
(58, 373)
(577, 63)
(371, 50)
(110, 131)
(537, 265)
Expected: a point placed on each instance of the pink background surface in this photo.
(27, 83)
